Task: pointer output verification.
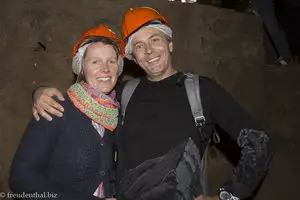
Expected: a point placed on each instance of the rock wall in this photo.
(36, 39)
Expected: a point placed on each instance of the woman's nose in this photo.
(105, 68)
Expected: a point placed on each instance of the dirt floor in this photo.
(35, 46)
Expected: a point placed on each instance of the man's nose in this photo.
(149, 49)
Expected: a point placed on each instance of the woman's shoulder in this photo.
(67, 104)
(71, 109)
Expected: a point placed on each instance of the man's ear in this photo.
(171, 46)
(133, 58)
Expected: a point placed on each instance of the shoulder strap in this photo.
(126, 95)
(193, 92)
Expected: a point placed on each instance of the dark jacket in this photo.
(66, 156)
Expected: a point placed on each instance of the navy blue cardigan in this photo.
(66, 156)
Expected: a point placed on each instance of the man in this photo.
(158, 116)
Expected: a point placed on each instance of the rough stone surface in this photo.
(219, 43)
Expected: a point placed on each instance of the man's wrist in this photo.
(35, 89)
(223, 194)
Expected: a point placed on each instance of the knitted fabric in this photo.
(99, 107)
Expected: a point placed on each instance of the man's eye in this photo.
(155, 39)
(138, 47)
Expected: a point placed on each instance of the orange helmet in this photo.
(100, 31)
(134, 18)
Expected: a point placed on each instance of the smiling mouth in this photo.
(103, 78)
(153, 60)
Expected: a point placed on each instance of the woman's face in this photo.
(100, 67)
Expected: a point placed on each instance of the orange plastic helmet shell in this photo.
(101, 31)
(134, 18)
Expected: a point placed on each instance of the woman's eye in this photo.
(113, 61)
(95, 61)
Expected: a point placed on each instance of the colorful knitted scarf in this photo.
(99, 107)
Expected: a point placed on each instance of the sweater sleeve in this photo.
(256, 151)
(28, 170)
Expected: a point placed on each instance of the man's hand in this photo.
(201, 197)
(43, 103)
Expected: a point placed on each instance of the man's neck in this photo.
(164, 76)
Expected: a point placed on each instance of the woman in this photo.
(73, 156)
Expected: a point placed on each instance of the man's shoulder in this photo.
(202, 78)
(205, 78)
(206, 81)
(207, 84)
(120, 86)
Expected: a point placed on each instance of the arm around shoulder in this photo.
(44, 103)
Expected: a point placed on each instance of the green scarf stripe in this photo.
(81, 99)
(94, 105)
(106, 121)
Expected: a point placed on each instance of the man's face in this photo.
(100, 67)
(152, 52)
